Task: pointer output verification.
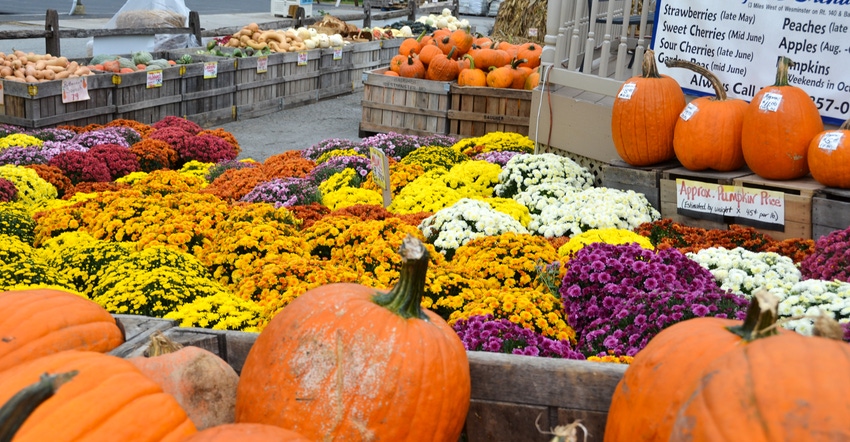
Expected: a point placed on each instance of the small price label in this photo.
(532, 32)
(770, 102)
(262, 64)
(380, 168)
(337, 53)
(154, 79)
(689, 112)
(75, 89)
(2, 103)
(627, 91)
(302, 58)
(830, 140)
(210, 69)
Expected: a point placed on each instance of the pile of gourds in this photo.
(651, 124)
(138, 61)
(288, 40)
(28, 67)
(472, 61)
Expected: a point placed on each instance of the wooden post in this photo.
(412, 6)
(195, 25)
(300, 13)
(367, 11)
(456, 8)
(51, 40)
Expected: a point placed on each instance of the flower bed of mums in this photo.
(527, 256)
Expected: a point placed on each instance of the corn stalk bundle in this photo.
(516, 17)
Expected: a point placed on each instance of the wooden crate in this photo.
(667, 192)
(830, 211)
(134, 100)
(509, 392)
(404, 105)
(365, 56)
(259, 93)
(34, 105)
(389, 49)
(335, 72)
(207, 101)
(477, 111)
(798, 203)
(646, 180)
(300, 81)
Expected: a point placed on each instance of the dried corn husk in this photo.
(516, 17)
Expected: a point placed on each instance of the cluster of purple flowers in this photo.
(393, 145)
(53, 134)
(831, 258)
(21, 156)
(52, 148)
(484, 333)
(500, 157)
(107, 135)
(618, 297)
(317, 150)
(8, 191)
(285, 192)
(334, 165)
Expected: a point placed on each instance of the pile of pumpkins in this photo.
(457, 55)
(779, 134)
(341, 362)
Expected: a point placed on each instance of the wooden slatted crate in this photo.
(135, 100)
(830, 211)
(646, 180)
(798, 195)
(335, 66)
(511, 394)
(300, 78)
(365, 56)
(389, 49)
(34, 105)
(668, 194)
(404, 105)
(259, 93)
(477, 111)
(208, 100)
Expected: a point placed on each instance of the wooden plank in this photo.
(830, 211)
(476, 111)
(40, 104)
(137, 332)
(489, 421)
(619, 175)
(798, 194)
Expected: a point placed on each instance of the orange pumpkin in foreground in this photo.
(829, 156)
(644, 116)
(349, 362)
(246, 433)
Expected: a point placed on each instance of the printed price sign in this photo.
(262, 64)
(302, 58)
(627, 91)
(829, 141)
(210, 69)
(154, 79)
(75, 89)
(338, 53)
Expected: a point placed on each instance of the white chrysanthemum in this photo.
(526, 170)
(465, 220)
(745, 272)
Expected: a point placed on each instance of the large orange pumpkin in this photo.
(349, 362)
(39, 322)
(246, 433)
(829, 156)
(107, 400)
(708, 131)
(644, 116)
(779, 124)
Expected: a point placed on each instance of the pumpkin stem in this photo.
(782, 71)
(650, 69)
(845, 125)
(405, 298)
(161, 345)
(761, 318)
(472, 65)
(719, 91)
(19, 407)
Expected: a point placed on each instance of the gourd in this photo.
(246, 432)
(530, 52)
(411, 45)
(202, 383)
(779, 124)
(100, 58)
(829, 155)
(38, 322)
(108, 399)
(644, 116)
(142, 57)
(532, 80)
(708, 132)
(344, 361)
(124, 62)
(428, 52)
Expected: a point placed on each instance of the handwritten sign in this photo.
(75, 89)
(381, 173)
(741, 41)
(2, 103)
(302, 58)
(735, 204)
(262, 64)
(337, 53)
(154, 79)
(210, 69)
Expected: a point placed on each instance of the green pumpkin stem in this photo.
(719, 91)
(782, 71)
(760, 321)
(405, 298)
(20, 406)
(650, 69)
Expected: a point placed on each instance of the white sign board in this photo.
(740, 42)
(736, 204)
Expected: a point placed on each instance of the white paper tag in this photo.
(688, 112)
(210, 69)
(75, 89)
(2, 103)
(302, 58)
(338, 53)
(770, 102)
(154, 79)
(262, 64)
(830, 140)
(627, 91)
(532, 32)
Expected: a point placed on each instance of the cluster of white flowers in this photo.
(465, 220)
(526, 170)
(539, 196)
(745, 272)
(594, 208)
(809, 298)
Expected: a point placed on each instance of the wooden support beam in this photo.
(51, 26)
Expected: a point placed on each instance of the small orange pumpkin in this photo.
(428, 52)
(501, 77)
(462, 40)
(531, 53)
(396, 62)
(829, 156)
(411, 45)
(532, 80)
(443, 68)
(412, 68)
(389, 73)
(520, 73)
(471, 76)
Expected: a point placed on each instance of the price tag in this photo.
(75, 89)
(2, 103)
(262, 64)
(689, 112)
(302, 58)
(627, 91)
(338, 53)
(210, 69)
(154, 79)
(380, 168)
(532, 32)
(770, 102)
(830, 140)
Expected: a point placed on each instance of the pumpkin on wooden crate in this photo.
(779, 125)
(246, 433)
(472, 76)
(38, 322)
(108, 399)
(644, 116)
(411, 68)
(708, 132)
(349, 362)
(443, 67)
(201, 382)
(829, 157)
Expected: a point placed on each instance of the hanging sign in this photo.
(210, 69)
(154, 79)
(262, 64)
(302, 58)
(75, 89)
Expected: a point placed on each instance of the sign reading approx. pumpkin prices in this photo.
(733, 204)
